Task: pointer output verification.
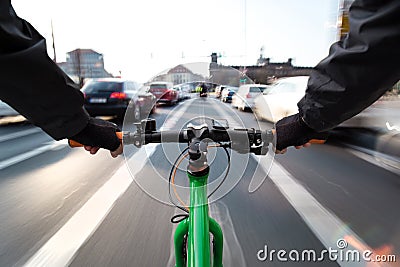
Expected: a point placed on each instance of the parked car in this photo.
(6, 110)
(244, 98)
(219, 89)
(281, 100)
(187, 90)
(164, 92)
(111, 97)
(182, 91)
(146, 100)
(228, 93)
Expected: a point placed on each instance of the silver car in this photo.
(244, 98)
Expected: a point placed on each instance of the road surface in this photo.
(64, 207)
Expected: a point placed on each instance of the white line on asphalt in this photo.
(53, 145)
(387, 162)
(232, 251)
(178, 112)
(324, 224)
(233, 123)
(60, 249)
(19, 134)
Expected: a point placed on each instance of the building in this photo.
(84, 63)
(226, 75)
(178, 75)
(266, 71)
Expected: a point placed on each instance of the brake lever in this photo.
(137, 137)
(262, 142)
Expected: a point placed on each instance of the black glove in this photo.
(99, 133)
(292, 131)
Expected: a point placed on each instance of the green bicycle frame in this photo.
(198, 227)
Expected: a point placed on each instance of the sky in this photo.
(141, 38)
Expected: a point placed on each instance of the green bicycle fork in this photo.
(198, 227)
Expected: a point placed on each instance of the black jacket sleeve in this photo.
(359, 69)
(32, 83)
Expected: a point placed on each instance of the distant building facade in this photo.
(178, 75)
(266, 71)
(84, 63)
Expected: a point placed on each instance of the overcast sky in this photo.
(141, 38)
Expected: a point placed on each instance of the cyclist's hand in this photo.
(93, 150)
(99, 134)
(292, 131)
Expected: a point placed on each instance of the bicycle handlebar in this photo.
(73, 143)
(240, 140)
(246, 140)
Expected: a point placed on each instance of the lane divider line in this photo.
(61, 248)
(232, 251)
(222, 110)
(327, 227)
(11, 136)
(53, 145)
(381, 160)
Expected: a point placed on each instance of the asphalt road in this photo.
(307, 196)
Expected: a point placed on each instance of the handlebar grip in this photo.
(317, 141)
(73, 143)
(319, 138)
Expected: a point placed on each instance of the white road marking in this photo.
(178, 112)
(60, 249)
(232, 123)
(232, 251)
(30, 154)
(324, 224)
(19, 134)
(387, 162)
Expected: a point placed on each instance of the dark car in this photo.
(111, 97)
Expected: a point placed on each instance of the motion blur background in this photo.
(62, 207)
